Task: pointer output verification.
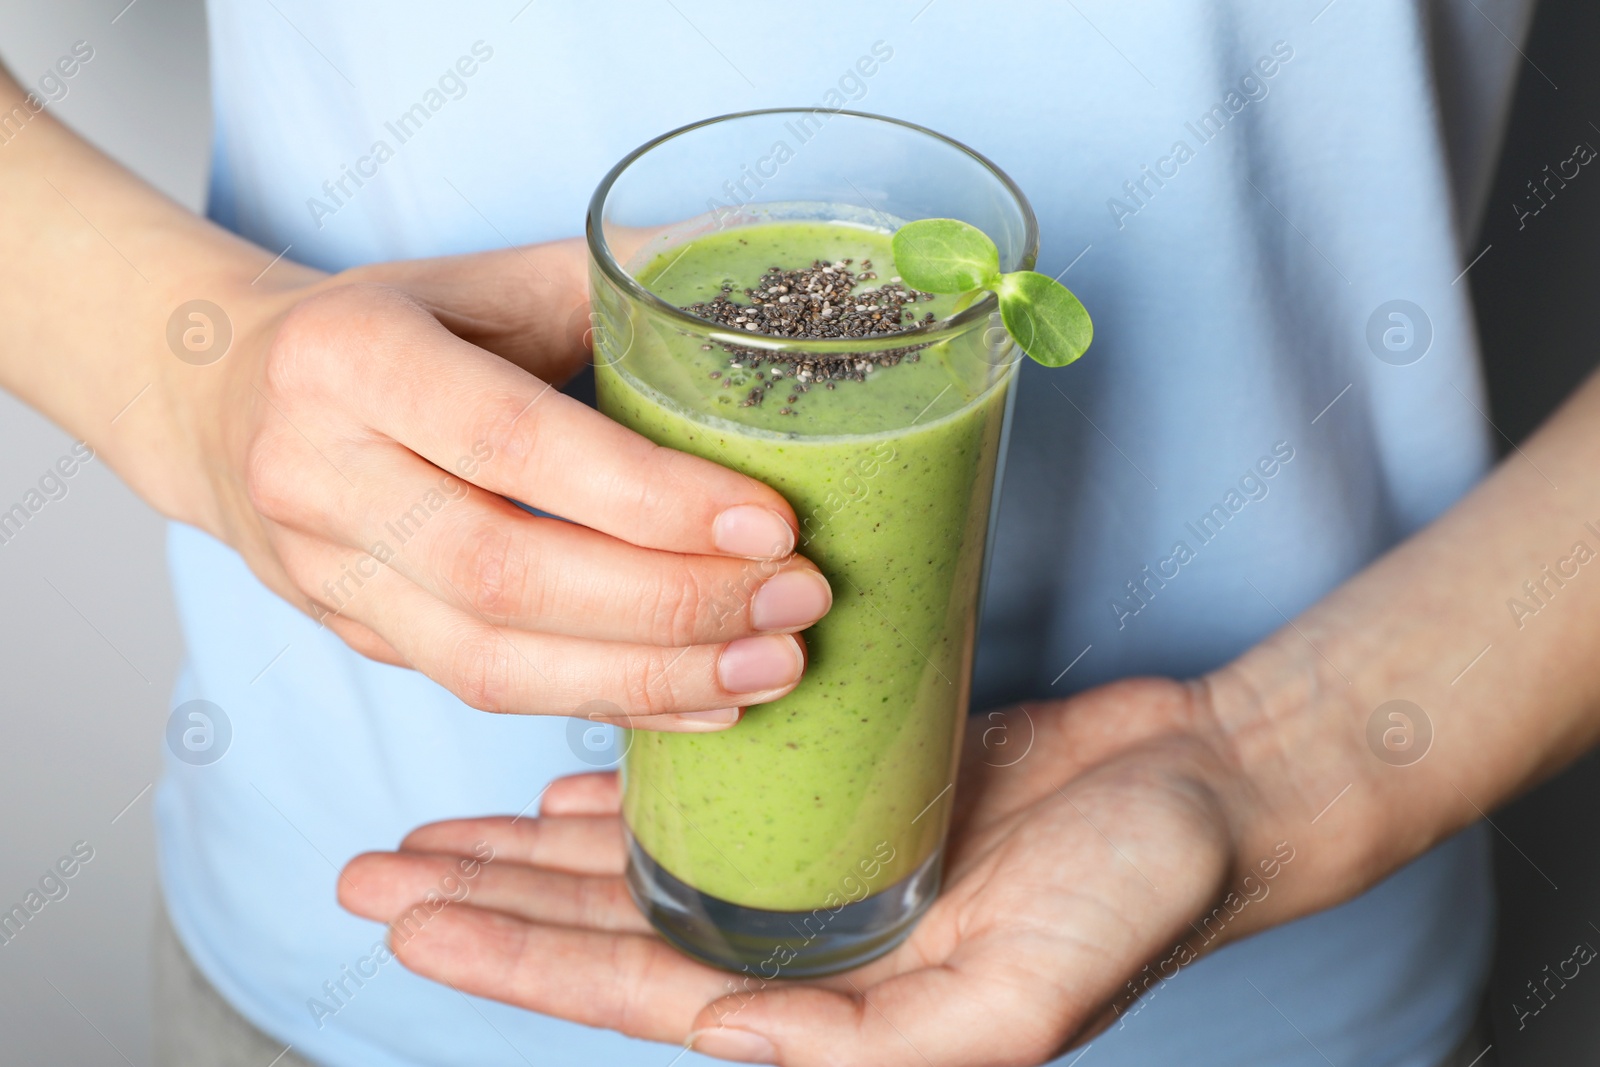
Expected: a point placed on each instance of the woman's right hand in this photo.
(359, 441)
(356, 441)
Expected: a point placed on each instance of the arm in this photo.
(94, 261)
(1407, 628)
(344, 400)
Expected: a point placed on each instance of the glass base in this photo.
(779, 944)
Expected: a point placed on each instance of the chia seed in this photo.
(815, 303)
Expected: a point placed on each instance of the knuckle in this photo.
(268, 482)
(349, 318)
(662, 486)
(648, 683)
(298, 347)
(674, 613)
(508, 428)
(494, 569)
(477, 671)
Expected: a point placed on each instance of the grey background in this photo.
(86, 667)
(88, 640)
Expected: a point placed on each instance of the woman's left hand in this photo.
(1070, 868)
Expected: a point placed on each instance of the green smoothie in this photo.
(839, 790)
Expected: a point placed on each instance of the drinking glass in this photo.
(809, 838)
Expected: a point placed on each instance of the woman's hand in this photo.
(1071, 867)
(356, 441)
(376, 422)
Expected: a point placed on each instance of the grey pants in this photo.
(195, 1027)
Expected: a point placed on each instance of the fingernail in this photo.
(790, 599)
(729, 1044)
(753, 664)
(754, 531)
(704, 721)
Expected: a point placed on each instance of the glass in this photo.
(809, 838)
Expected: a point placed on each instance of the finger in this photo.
(632, 983)
(477, 551)
(364, 640)
(384, 886)
(638, 985)
(576, 843)
(594, 793)
(476, 415)
(499, 669)
(261, 553)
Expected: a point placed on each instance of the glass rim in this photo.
(979, 313)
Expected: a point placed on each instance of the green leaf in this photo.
(945, 256)
(949, 256)
(1044, 317)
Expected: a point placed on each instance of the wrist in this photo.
(98, 356)
(1304, 782)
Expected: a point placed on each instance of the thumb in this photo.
(527, 304)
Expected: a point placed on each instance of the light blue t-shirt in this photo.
(1240, 190)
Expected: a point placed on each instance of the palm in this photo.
(1086, 839)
